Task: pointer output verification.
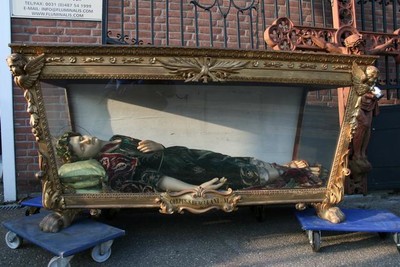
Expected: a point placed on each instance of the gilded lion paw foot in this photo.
(53, 223)
(334, 215)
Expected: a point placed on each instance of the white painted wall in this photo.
(238, 120)
(6, 107)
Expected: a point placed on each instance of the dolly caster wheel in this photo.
(13, 241)
(102, 252)
(396, 238)
(315, 239)
(60, 262)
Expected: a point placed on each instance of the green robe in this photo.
(142, 171)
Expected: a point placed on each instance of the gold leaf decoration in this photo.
(132, 60)
(54, 59)
(93, 60)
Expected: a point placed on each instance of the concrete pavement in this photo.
(224, 239)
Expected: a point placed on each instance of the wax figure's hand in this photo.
(147, 146)
(301, 164)
(214, 184)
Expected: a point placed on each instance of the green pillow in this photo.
(82, 174)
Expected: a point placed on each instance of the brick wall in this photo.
(55, 31)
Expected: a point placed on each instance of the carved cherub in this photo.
(25, 72)
(364, 83)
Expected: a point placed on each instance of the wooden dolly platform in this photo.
(81, 235)
(357, 220)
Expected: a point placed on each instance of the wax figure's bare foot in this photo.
(297, 163)
(333, 214)
(55, 221)
(302, 164)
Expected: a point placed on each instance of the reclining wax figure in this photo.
(134, 165)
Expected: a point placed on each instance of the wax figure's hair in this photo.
(63, 148)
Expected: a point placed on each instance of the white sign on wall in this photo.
(57, 9)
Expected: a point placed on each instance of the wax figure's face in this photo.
(85, 146)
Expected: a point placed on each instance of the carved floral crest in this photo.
(203, 69)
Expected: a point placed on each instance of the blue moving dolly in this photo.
(34, 205)
(357, 220)
(81, 235)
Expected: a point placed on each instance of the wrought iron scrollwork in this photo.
(122, 39)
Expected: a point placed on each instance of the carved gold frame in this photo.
(46, 62)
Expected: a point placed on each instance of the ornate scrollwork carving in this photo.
(341, 67)
(26, 74)
(205, 69)
(363, 82)
(54, 59)
(93, 60)
(132, 60)
(335, 191)
(51, 197)
(273, 64)
(197, 200)
(308, 66)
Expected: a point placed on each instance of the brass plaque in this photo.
(197, 200)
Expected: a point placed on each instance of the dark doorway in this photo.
(384, 150)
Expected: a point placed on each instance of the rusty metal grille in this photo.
(205, 23)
